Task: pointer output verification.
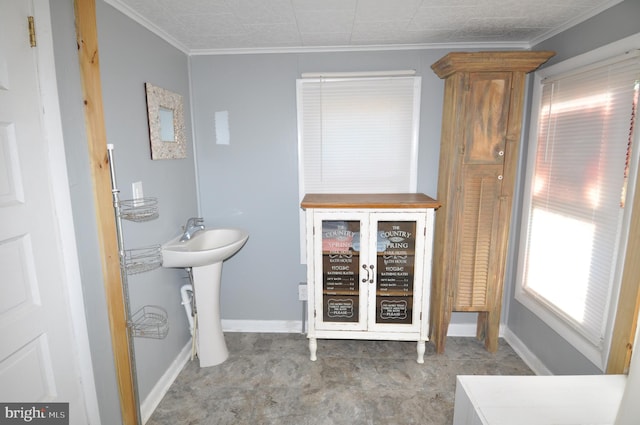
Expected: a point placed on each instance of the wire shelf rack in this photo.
(141, 209)
(151, 321)
(140, 260)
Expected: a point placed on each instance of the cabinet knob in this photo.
(500, 177)
(501, 153)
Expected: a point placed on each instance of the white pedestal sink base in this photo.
(204, 253)
(212, 349)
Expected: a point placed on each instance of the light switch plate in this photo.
(136, 188)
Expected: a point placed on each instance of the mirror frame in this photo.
(157, 98)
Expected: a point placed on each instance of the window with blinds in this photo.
(574, 226)
(358, 134)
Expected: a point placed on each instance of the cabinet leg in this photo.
(481, 327)
(313, 348)
(439, 328)
(421, 348)
(489, 329)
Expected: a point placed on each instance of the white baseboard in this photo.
(462, 329)
(162, 386)
(267, 326)
(525, 354)
(295, 326)
(468, 330)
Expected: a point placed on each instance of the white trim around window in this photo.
(593, 336)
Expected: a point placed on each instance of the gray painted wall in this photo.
(252, 183)
(613, 24)
(129, 57)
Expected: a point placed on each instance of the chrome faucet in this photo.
(194, 224)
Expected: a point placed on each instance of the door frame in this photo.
(61, 199)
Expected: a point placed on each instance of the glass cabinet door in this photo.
(398, 281)
(368, 267)
(339, 273)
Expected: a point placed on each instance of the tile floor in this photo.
(269, 379)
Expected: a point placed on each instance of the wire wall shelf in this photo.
(141, 209)
(151, 321)
(141, 260)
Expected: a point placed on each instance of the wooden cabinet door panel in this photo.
(487, 107)
(475, 270)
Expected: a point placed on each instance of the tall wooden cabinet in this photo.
(481, 125)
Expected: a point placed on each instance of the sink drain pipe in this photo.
(186, 293)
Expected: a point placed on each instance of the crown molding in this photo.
(573, 22)
(362, 48)
(132, 14)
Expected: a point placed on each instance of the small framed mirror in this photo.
(166, 123)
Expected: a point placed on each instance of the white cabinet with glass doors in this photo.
(369, 267)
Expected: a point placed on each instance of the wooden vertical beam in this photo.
(87, 38)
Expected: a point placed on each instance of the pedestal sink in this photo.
(204, 254)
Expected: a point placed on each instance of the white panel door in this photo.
(38, 352)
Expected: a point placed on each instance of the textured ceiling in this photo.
(219, 25)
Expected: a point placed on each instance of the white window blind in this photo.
(574, 228)
(358, 135)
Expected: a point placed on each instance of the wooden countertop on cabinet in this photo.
(368, 200)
